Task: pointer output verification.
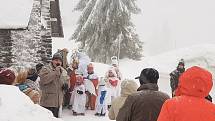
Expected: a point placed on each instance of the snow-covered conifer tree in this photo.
(105, 29)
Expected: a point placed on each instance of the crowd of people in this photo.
(76, 86)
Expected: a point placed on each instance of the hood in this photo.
(195, 81)
(128, 87)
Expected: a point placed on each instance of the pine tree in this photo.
(105, 26)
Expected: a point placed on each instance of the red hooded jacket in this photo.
(190, 103)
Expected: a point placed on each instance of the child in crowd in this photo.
(113, 86)
(79, 100)
(101, 104)
(91, 84)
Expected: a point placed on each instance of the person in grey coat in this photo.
(145, 105)
(53, 83)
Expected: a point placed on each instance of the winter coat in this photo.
(72, 79)
(174, 76)
(144, 105)
(189, 103)
(209, 98)
(127, 88)
(51, 85)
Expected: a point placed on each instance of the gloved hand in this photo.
(58, 69)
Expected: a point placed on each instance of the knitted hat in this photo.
(57, 56)
(148, 75)
(7, 76)
(181, 62)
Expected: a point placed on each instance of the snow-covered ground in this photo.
(16, 106)
(89, 116)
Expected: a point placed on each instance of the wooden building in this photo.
(26, 31)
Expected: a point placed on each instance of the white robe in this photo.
(79, 99)
(101, 108)
(113, 92)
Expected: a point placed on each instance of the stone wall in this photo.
(5, 49)
(26, 43)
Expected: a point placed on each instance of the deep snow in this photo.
(16, 106)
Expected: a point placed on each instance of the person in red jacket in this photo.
(93, 78)
(190, 103)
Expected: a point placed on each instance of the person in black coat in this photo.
(174, 76)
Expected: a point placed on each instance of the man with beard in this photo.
(174, 76)
(53, 83)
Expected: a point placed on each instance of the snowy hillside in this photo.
(200, 55)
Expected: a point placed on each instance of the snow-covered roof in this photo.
(15, 13)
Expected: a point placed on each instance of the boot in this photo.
(75, 114)
(96, 114)
(102, 114)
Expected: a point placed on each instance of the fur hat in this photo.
(7, 76)
(57, 56)
(148, 75)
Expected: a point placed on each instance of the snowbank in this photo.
(16, 106)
